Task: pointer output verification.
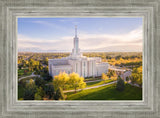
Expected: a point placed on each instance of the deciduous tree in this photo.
(39, 94)
(104, 77)
(76, 81)
(60, 80)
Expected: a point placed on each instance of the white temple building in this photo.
(76, 62)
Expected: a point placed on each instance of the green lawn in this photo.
(92, 78)
(107, 93)
(90, 84)
(22, 73)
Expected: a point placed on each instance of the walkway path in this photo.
(32, 75)
(91, 87)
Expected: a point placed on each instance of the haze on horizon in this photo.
(95, 34)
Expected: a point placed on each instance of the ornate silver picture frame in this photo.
(11, 107)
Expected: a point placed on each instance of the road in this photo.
(32, 75)
(90, 87)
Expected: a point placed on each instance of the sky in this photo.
(95, 34)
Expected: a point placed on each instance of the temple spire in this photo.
(75, 30)
(76, 50)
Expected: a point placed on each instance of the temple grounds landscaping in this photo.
(35, 83)
(107, 93)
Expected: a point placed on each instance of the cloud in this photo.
(87, 41)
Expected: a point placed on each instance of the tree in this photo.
(108, 57)
(30, 90)
(118, 57)
(39, 94)
(134, 78)
(49, 91)
(114, 74)
(46, 61)
(59, 94)
(31, 84)
(48, 77)
(109, 74)
(139, 81)
(127, 79)
(76, 81)
(120, 84)
(37, 97)
(60, 80)
(40, 82)
(28, 94)
(104, 77)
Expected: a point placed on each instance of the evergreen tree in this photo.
(40, 82)
(49, 91)
(30, 90)
(120, 84)
(59, 94)
(28, 94)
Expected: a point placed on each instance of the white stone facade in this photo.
(76, 62)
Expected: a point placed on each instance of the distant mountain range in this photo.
(39, 50)
(122, 48)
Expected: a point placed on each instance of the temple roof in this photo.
(60, 62)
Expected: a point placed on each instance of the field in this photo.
(107, 93)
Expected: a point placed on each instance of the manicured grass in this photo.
(92, 78)
(90, 84)
(107, 93)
